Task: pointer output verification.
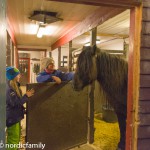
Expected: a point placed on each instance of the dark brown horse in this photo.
(111, 73)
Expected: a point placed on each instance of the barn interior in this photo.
(25, 49)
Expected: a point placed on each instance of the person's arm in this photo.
(66, 76)
(44, 78)
(56, 79)
(14, 100)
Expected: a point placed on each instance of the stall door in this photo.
(57, 116)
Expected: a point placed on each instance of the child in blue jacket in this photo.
(14, 105)
(50, 74)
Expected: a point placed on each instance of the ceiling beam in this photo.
(31, 49)
(110, 35)
(98, 17)
(112, 3)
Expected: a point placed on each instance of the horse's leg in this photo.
(122, 126)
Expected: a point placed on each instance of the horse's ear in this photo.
(94, 49)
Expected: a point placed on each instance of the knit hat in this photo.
(11, 72)
(45, 62)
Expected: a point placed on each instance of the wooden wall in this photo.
(2, 72)
(144, 98)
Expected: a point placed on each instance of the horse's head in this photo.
(86, 70)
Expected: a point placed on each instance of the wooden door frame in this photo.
(134, 57)
(133, 77)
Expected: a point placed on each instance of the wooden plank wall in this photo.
(144, 98)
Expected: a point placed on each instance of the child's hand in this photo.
(30, 93)
(56, 79)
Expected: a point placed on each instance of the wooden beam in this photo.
(31, 49)
(93, 33)
(111, 3)
(70, 57)
(133, 78)
(98, 17)
(110, 35)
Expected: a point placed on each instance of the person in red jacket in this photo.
(14, 105)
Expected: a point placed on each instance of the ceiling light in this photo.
(40, 31)
(45, 17)
(88, 43)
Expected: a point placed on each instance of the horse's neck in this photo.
(111, 70)
(103, 67)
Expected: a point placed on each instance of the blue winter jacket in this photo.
(14, 106)
(47, 77)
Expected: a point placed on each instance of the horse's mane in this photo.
(112, 73)
(111, 67)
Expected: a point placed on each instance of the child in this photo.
(14, 105)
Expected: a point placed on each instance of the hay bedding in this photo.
(106, 135)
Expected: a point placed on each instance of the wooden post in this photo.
(93, 33)
(45, 53)
(3, 73)
(16, 57)
(59, 57)
(50, 54)
(70, 56)
(133, 78)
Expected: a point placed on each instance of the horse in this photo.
(111, 72)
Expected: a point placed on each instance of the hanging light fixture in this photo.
(40, 31)
(45, 17)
